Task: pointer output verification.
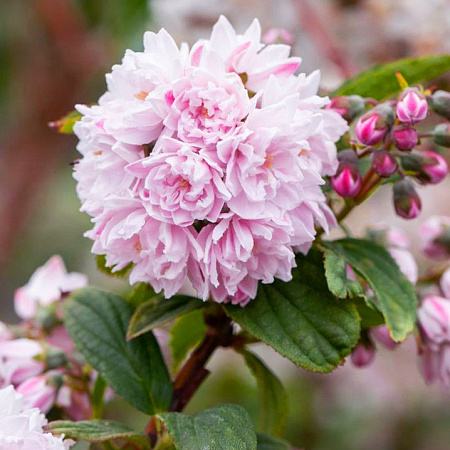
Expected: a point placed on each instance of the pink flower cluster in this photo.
(33, 358)
(206, 163)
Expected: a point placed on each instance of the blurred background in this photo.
(54, 53)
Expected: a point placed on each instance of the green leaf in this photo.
(273, 401)
(222, 427)
(394, 293)
(97, 322)
(266, 442)
(159, 310)
(66, 123)
(369, 313)
(140, 293)
(97, 431)
(186, 333)
(380, 81)
(301, 319)
(97, 397)
(101, 265)
(336, 275)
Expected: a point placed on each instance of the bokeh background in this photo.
(54, 53)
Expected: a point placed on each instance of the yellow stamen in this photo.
(98, 153)
(141, 95)
(269, 161)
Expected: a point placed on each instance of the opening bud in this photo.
(347, 181)
(412, 106)
(404, 138)
(384, 164)
(440, 103)
(363, 354)
(426, 167)
(406, 201)
(348, 107)
(441, 134)
(373, 126)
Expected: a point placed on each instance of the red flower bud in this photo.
(347, 181)
(412, 106)
(440, 103)
(426, 167)
(373, 126)
(406, 201)
(384, 163)
(363, 354)
(404, 138)
(348, 107)
(441, 134)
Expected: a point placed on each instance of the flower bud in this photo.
(384, 164)
(348, 107)
(440, 103)
(40, 392)
(363, 354)
(444, 282)
(441, 134)
(347, 181)
(404, 138)
(412, 106)
(55, 358)
(406, 201)
(426, 167)
(382, 335)
(373, 126)
(435, 234)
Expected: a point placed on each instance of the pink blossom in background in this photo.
(22, 428)
(274, 34)
(46, 286)
(435, 233)
(38, 392)
(206, 163)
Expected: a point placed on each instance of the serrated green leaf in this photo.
(140, 293)
(159, 310)
(380, 81)
(223, 427)
(266, 442)
(369, 313)
(101, 265)
(66, 123)
(186, 333)
(301, 319)
(273, 400)
(97, 431)
(97, 321)
(394, 293)
(336, 275)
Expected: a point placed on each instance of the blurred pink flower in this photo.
(274, 34)
(435, 235)
(38, 392)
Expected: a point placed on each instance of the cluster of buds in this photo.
(37, 356)
(387, 133)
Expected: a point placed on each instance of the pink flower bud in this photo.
(382, 335)
(18, 361)
(441, 134)
(40, 392)
(412, 106)
(434, 320)
(347, 181)
(363, 354)
(426, 167)
(373, 126)
(406, 201)
(435, 235)
(445, 284)
(404, 138)
(384, 163)
(406, 263)
(348, 107)
(440, 103)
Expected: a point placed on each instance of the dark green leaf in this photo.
(97, 431)
(66, 123)
(158, 311)
(273, 402)
(101, 265)
(97, 322)
(380, 81)
(369, 313)
(187, 332)
(140, 293)
(301, 319)
(223, 427)
(394, 293)
(266, 442)
(336, 274)
(97, 396)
